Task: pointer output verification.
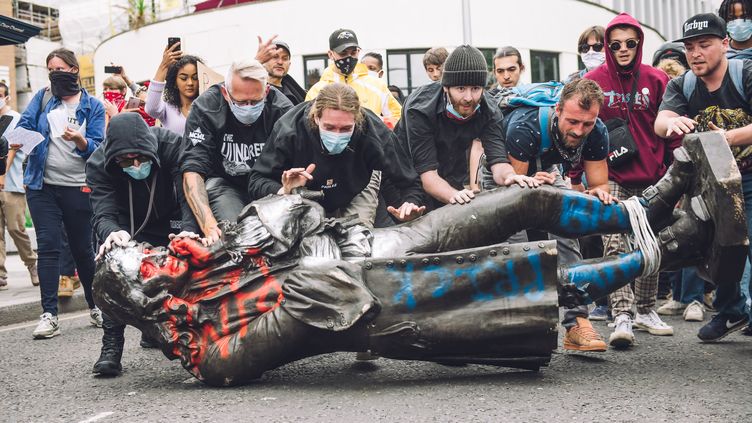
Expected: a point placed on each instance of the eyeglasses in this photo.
(584, 48)
(128, 161)
(247, 102)
(616, 45)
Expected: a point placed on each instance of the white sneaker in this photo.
(95, 317)
(695, 312)
(671, 308)
(622, 337)
(653, 324)
(47, 327)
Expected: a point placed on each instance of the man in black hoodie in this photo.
(225, 132)
(136, 195)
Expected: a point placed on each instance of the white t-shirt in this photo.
(14, 175)
(64, 166)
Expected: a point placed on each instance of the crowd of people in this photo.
(154, 161)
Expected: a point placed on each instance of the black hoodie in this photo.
(340, 176)
(115, 195)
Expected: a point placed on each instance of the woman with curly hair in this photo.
(173, 89)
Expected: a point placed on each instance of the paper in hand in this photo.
(27, 139)
(58, 120)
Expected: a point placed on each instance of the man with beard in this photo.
(278, 67)
(633, 93)
(720, 87)
(573, 135)
(440, 121)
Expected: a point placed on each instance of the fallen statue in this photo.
(286, 283)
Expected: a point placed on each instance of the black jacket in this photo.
(294, 92)
(341, 176)
(120, 202)
(218, 145)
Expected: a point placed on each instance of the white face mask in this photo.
(374, 74)
(592, 59)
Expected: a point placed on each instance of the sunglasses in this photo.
(616, 45)
(584, 48)
(128, 161)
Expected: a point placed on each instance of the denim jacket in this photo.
(89, 110)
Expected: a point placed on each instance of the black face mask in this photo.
(346, 64)
(64, 84)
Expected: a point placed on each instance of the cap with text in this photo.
(702, 25)
(342, 39)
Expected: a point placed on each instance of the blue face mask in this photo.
(454, 113)
(740, 29)
(247, 114)
(138, 173)
(334, 142)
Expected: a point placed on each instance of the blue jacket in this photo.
(89, 109)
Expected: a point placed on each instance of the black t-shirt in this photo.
(523, 141)
(219, 145)
(437, 142)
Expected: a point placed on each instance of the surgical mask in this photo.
(335, 142)
(740, 29)
(64, 84)
(247, 114)
(374, 74)
(346, 64)
(592, 59)
(138, 173)
(455, 114)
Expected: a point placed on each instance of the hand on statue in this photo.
(212, 234)
(522, 180)
(462, 197)
(296, 177)
(406, 212)
(721, 131)
(680, 125)
(119, 238)
(545, 177)
(604, 196)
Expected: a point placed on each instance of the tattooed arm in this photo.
(198, 200)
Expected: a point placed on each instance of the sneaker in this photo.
(582, 337)
(671, 308)
(622, 337)
(694, 312)
(599, 313)
(720, 326)
(65, 289)
(3, 284)
(34, 275)
(653, 324)
(95, 317)
(47, 327)
(747, 331)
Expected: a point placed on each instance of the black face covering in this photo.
(64, 84)
(346, 64)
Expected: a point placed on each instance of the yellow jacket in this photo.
(372, 92)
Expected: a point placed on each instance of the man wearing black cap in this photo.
(278, 67)
(344, 68)
(725, 84)
(440, 122)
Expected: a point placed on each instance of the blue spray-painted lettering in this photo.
(581, 214)
(406, 288)
(607, 275)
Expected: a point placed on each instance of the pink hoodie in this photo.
(647, 167)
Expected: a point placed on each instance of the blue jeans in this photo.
(729, 300)
(689, 287)
(67, 266)
(50, 208)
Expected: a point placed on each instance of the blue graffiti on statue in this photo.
(605, 274)
(498, 279)
(580, 214)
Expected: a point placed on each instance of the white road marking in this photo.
(31, 325)
(99, 416)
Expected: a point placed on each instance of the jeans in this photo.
(729, 300)
(689, 287)
(51, 207)
(225, 199)
(67, 266)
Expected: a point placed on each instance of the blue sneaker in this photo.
(600, 313)
(722, 325)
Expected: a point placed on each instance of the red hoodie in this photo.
(648, 165)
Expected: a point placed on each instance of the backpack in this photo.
(735, 67)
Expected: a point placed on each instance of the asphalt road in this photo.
(673, 379)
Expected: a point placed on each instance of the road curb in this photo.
(30, 311)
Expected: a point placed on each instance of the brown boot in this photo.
(34, 275)
(582, 337)
(76, 281)
(65, 289)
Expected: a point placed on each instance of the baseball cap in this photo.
(342, 39)
(282, 44)
(703, 24)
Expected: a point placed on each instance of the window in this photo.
(488, 54)
(313, 67)
(406, 69)
(544, 66)
(42, 16)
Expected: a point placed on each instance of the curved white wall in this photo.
(223, 35)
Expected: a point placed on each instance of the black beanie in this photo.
(465, 66)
